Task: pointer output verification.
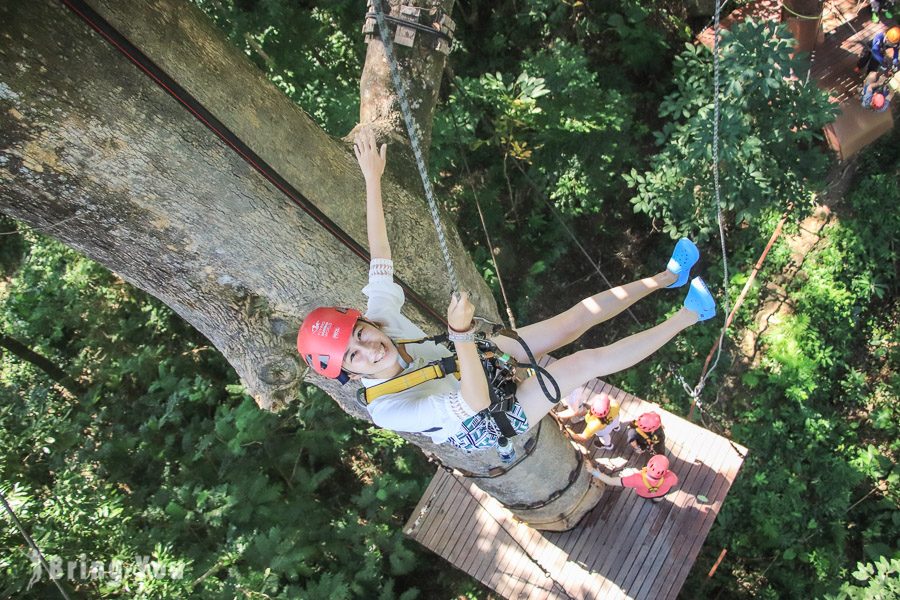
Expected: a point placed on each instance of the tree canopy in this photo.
(157, 450)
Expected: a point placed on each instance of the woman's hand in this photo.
(460, 312)
(370, 159)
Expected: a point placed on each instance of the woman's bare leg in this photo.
(566, 327)
(579, 368)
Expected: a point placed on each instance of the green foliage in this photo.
(310, 50)
(164, 457)
(769, 123)
(876, 581)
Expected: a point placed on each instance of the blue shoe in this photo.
(700, 300)
(684, 256)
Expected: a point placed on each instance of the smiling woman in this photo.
(468, 412)
(371, 351)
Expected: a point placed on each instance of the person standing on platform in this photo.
(882, 55)
(601, 421)
(653, 481)
(646, 434)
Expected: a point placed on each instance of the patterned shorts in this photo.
(480, 431)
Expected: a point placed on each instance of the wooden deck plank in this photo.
(508, 567)
(464, 526)
(535, 546)
(643, 562)
(678, 567)
(471, 560)
(496, 521)
(590, 560)
(592, 387)
(714, 484)
(429, 520)
(625, 571)
(412, 528)
(516, 568)
(526, 572)
(478, 564)
(584, 536)
(441, 521)
(604, 552)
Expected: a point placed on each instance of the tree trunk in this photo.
(421, 69)
(101, 158)
(803, 18)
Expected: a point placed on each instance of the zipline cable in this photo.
(31, 543)
(543, 196)
(411, 129)
(487, 235)
(202, 114)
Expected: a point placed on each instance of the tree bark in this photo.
(101, 158)
(421, 70)
(803, 18)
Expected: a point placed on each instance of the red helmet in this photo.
(878, 100)
(657, 466)
(649, 422)
(600, 406)
(324, 337)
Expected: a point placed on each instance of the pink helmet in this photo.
(657, 466)
(878, 100)
(600, 406)
(649, 422)
(324, 337)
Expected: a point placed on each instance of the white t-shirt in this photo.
(435, 407)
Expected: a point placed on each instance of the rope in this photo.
(743, 294)
(798, 15)
(31, 543)
(556, 215)
(487, 235)
(695, 392)
(559, 218)
(411, 129)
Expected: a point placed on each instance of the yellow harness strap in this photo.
(409, 380)
(404, 382)
(651, 488)
(650, 439)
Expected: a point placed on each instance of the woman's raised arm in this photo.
(371, 161)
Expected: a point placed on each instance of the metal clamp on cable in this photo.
(439, 27)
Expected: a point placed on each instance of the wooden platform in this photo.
(844, 31)
(626, 547)
(833, 70)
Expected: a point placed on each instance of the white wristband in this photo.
(461, 336)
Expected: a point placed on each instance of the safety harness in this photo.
(651, 488)
(651, 439)
(500, 369)
(605, 421)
